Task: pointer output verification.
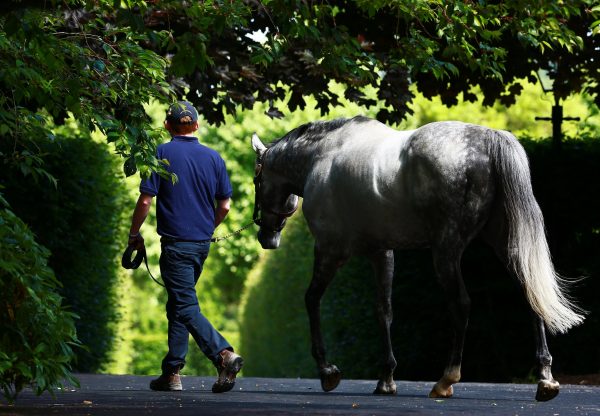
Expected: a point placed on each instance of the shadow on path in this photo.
(129, 395)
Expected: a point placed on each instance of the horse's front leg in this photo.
(383, 263)
(547, 387)
(325, 267)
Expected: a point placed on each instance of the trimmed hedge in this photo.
(81, 222)
(274, 327)
(499, 345)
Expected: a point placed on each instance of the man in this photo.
(187, 214)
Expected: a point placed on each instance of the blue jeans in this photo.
(180, 266)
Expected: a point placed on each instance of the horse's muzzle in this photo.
(268, 239)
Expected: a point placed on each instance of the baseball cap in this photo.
(179, 111)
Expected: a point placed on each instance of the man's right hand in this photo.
(136, 240)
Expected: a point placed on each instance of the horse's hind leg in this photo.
(383, 262)
(447, 265)
(325, 267)
(547, 387)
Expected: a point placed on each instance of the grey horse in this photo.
(368, 189)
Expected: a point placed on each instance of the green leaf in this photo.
(129, 167)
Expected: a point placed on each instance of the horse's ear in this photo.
(257, 145)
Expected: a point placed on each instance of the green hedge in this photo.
(274, 327)
(500, 344)
(81, 222)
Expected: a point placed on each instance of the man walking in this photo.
(187, 214)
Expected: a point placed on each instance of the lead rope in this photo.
(140, 256)
(149, 272)
(226, 236)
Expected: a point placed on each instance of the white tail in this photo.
(528, 250)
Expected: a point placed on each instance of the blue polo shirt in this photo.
(186, 210)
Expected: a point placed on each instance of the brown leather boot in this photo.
(231, 364)
(168, 381)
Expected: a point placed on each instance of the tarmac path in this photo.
(129, 395)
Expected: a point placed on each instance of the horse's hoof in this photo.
(440, 392)
(330, 377)
(547, 390)
(384, 387)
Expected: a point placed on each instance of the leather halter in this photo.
(258, 206)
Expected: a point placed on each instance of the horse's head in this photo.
(273, 200)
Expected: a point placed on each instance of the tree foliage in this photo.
(37, 333)
(101, 60)
(445, 48)
(64, 59)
